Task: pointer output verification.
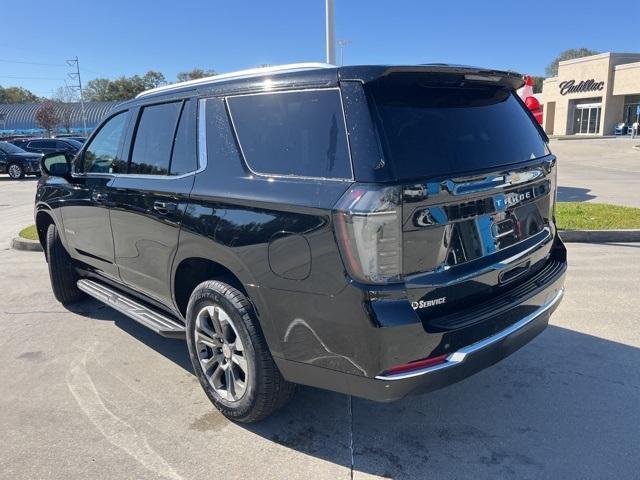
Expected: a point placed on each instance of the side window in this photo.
(152, 146)
(293, 133)
(101, 154)
(61, 145)
(183, 157)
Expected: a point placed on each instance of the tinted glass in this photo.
(9, 148)
(154, 138)
(42, 144)
(70, 143)
(434, 131)
(102, 152)
(183, 158)
(296, 133)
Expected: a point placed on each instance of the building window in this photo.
(631, 110)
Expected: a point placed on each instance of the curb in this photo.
(19, 243)
(600, 236)
(582, 137)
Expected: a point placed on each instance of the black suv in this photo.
(18, 163)
(372, 230)
(49, 145)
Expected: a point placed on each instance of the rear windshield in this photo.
(438, 131)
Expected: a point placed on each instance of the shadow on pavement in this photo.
(565, 406)
(574, 194)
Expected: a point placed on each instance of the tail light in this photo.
(369, 231)
(417, 365)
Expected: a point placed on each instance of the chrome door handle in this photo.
(99, 197)
(164, 207)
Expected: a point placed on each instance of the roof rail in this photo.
(251, 72)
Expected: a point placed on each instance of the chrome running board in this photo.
(150, 318)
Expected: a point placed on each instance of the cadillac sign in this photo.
(570, 86)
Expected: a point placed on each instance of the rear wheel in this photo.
(16, 171)
(230, 355)
(63, 276)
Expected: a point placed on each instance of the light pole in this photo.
(330, 32)
(342, 44)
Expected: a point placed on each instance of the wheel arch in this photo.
(43, 219)
(190, 271)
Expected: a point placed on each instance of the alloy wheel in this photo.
(15, 171)
(221, 353)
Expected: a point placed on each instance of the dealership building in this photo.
(591, 95)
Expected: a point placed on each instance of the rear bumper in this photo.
(459, 365)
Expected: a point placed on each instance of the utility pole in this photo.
(330, 32)
(76, 76)
(342, 44)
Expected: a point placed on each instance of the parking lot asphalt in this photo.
(604, 170)
(16, 207)
(88, 393)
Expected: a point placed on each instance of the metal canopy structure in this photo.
(16, 118)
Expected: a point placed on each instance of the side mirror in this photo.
(55, 164)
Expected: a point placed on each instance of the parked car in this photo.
(372, 230)
(18, 163)
(49, 145)
(621, 129)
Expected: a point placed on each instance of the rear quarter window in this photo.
(431, 131)
(298, 133)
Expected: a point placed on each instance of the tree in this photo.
(16, 95)
(153, 79)
(570, 54)
(47, 117)
(97, 89)
(537, 84)
(194, 74)
(66, 94)
(66, 113)
(123, 88)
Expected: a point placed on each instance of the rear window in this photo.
(293, 133)
(438, 131)
(42, 144)
(154, 139)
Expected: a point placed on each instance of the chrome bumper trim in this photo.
(460, 356)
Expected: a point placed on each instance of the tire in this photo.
(218, 359)
(63, 276)
(15, 171)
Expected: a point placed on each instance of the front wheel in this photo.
(16, 171)
(230, 355)
(63, 275)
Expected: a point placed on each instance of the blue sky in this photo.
(117, 37)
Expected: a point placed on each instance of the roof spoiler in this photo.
(505, 78)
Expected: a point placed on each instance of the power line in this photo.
(30, 78)
(32, 63)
